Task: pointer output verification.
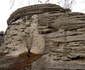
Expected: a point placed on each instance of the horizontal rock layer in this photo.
(35, 9)
(57, 33)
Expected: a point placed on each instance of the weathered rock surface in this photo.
(1, 40)
(47, 29)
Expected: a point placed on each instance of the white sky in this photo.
(5, 8)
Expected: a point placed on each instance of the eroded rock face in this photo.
(57, 34)
(37, 40)
(23, 30)
(1, 40)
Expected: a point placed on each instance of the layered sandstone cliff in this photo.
(47, 29)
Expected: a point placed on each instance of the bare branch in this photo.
(13, 1)
(45, 1)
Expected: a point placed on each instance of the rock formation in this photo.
(21, 25)
(1, 40)
(47, 29)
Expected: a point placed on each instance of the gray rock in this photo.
(47, 29)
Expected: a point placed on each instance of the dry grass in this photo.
(3, 54)
(22, 61)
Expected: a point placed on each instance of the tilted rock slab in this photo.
(47, 29)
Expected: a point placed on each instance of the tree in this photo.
(29, 1)
(46, 1)
(12, 3)
(28, 46)
(67, 3)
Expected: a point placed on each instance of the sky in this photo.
(5, 10)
